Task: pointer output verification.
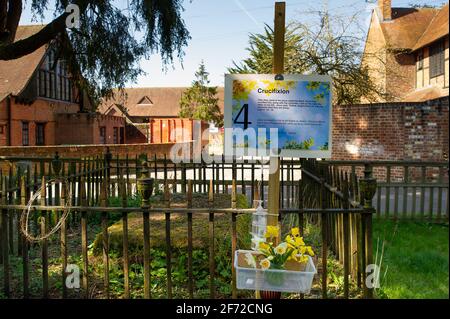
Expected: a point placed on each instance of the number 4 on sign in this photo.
(245, 122)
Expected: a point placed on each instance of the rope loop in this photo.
(24, 218)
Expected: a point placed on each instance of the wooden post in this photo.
(126, 262)
(233, 240)
(278, 45)
(145, 189)
(18, 199)
(4, 234)
(11, 216)
(278, 68)
(168, 245)
(63, 236)
(44, 241)
(273, 204)
(368, 187)
(254, 205)
(323, 223)
(2, 220)
(190, 249)
(25, 244)
(84, 239)
(346, 236)
(212, 264)
(105, 235)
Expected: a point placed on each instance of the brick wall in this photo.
(78, 151)
(392, 131)
(84, 128)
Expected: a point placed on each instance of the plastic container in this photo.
(274, 279)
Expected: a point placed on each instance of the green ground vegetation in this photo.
(414, 259)
(413, 256)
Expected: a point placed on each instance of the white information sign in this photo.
(266, 114)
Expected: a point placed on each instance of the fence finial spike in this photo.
(82, 191)
(368, 185)
(43, 192)
(166, 193)
(189, 193)
(3, 190)
(56, 164)
(211, 192)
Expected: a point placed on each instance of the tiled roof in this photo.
(165, 101)
(437, 29)
(425, 94)
(15, 74)
(407, 26)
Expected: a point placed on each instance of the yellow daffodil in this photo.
(263, 246)
(293, 256)
(281, 248)
(289, 240)
(295, 231)
(303, 259)
(309, 251)
(299, 241)
(265, 264)
(293, 248)
(271, 231)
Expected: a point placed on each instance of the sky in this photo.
(220, 30)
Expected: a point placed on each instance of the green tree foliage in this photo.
(327, 47)
(200, 101)
(110, 40)
(261, 53)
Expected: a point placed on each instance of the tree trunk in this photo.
(10, 13)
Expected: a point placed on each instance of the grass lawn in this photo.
(415, 259)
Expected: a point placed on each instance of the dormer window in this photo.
(145, 101)
(54, 80)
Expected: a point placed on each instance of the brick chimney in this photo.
(385, 9)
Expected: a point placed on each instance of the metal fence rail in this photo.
(407, 189)
(324, 195)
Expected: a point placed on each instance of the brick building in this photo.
(96, 128)
(36, 90)
(407, 52)
(152, 113)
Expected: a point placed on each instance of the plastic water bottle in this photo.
(259, 225)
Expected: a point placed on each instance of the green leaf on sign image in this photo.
(294, 145)
(313, 85)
